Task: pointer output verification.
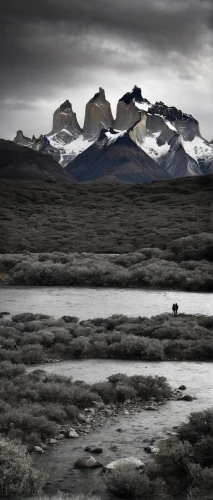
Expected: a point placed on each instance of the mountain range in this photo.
(145, 142)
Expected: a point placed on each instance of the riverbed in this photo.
(139, 427)
(88, 302)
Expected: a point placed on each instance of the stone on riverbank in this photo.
(152, 449)
(72, 434)
(124, 461)
(151, 408)
(53, 441)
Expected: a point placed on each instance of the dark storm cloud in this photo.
(168, 24)
(49, 45)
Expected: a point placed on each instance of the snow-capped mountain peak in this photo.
(167, 135)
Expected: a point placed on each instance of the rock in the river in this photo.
(124, 461)
(39, 449)
(93, 449)
(182, 388)
(72, 434)
(152, 449)
(88, 462)
(151, 408)
(187, 397)
(53, 441)
(120, 430)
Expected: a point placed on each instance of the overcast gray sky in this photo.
(52, 50)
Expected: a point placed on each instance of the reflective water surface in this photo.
(100, 302)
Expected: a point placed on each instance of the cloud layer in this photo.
(56, 50)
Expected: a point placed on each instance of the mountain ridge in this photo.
(166, 134)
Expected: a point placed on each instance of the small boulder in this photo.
(152, 449)
(182, 388)
(120, 430)
(88, 462)
(59, 437)
(72, 434)
(53, 441)
(150, 408)
(187, 397)
(39, 449)
(124, 461)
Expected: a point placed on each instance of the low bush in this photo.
(127, 482)
(148, 267)
(25, 339)
(185, 462)
(17, 477)
(34, 405)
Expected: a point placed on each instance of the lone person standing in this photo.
(175, 308)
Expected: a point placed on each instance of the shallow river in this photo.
(100, 302)
(59, 461)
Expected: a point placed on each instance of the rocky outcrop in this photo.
(115, 154)
(65, 118)
(41, 144)
(98, 115)
(127, 111)
(21, 139)
(20, 162)
(44, 146)
(185, 124)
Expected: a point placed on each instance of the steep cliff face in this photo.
(65, 118)
(129, 109)
(98, 115)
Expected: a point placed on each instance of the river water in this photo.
(88, 303)
(138, 427)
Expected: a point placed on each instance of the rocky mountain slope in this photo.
(169, 137)
(116, 155)
(19, 162)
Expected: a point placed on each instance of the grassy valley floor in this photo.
(102, 218)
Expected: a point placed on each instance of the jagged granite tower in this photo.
(64, 117)
(98, 115)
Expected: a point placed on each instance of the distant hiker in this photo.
(175, 309)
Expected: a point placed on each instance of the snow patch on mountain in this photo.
(198, 149)
(143, 106)
(151, 147)
(171, 126)
(112, 137)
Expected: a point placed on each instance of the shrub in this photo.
(17, 477)
(125, 481)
